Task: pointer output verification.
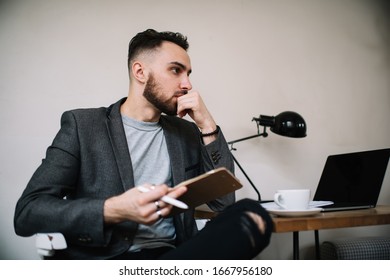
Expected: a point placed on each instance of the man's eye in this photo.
(176, 70)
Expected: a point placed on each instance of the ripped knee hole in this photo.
(258, 220)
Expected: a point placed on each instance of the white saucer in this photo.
(295, 213)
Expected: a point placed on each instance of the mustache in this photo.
(181, 92)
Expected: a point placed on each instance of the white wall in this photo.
(327, 60)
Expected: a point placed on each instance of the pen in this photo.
(165, 198)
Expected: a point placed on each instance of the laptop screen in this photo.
(353, 179)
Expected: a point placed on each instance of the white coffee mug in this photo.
(297, 199)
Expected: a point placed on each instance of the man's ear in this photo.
(139, 72)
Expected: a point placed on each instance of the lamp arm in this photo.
(264, 134)
(247, 177)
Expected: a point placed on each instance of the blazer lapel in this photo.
(175, 152)
(119, 144)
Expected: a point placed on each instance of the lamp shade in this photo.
(289, 124)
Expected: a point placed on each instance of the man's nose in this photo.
(186, 84)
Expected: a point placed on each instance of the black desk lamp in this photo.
(287, 123)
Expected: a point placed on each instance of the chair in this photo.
(360, 248)
(48, 243)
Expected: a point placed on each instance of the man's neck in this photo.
(139, 109)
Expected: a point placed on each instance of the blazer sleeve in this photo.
(44, 207)
(214, 155)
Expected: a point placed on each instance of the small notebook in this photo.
(207, 187)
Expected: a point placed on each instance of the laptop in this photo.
(352, 180)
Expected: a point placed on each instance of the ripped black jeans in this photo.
(233, 234)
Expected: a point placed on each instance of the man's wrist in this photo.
(204, 133)
(110, 214)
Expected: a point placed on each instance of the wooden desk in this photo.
(339, 219)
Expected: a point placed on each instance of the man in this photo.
(85, 187)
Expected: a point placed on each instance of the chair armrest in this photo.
(48, 243)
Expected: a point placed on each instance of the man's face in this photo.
(168, 78)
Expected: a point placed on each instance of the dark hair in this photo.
(151, 39)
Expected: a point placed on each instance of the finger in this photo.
(183, 108)
(186, 102)
(163, 212)
(156, 216)
(151, 215)
(152, 205)
(161, 205)
(174, 193)
(182, 114)
(151, 193)
(159, 214)
(177, 192)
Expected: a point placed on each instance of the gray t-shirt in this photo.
(151, 164)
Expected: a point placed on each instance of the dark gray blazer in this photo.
(88, 162)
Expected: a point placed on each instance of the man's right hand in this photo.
(144, 208)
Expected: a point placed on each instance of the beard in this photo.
(152, 93)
